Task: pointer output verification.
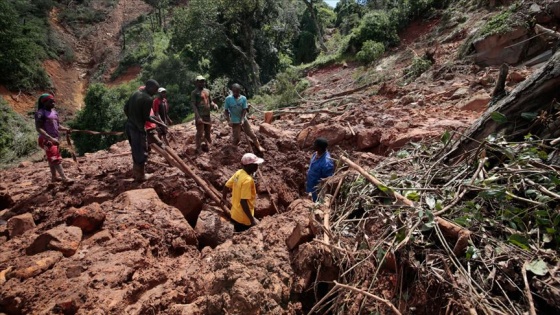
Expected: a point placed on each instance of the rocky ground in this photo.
(109, 245)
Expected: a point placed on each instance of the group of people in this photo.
(147, 122)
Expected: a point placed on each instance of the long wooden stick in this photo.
(375, 297)
(376, 181)
(171, 156)
(528, 290)
(326, 219)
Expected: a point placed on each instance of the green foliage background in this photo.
(18, 137)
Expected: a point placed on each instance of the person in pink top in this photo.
(48, 125)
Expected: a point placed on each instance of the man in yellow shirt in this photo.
(244, 193)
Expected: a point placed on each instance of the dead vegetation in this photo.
(480, 236)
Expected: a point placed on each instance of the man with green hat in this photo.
(202, 104)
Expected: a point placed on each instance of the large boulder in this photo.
(499, 48)
(368, 138)
(142, 209)
(334, 133)
(190, 204)
(270, 130)
(212, 230)
(89, 218)
(65, 239)
(20, 224)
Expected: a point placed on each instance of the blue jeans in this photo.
(138, 143)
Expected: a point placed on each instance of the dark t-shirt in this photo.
(137, 109)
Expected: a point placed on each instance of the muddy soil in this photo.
(144, 247)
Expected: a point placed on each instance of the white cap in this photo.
(161, 90)
(250, 158)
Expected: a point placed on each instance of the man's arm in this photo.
(194, 107)
(225, 191)
(156, 120)
(245, 207)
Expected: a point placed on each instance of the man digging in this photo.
(244, 193)
(235, 110)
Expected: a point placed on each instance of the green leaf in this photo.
(499, 118)
(529, 115)
(445, 137)
(413, 195)
(519, 240)
(384, 188)
(538, 267)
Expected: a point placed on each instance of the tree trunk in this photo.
(532, 95)
(311, 9)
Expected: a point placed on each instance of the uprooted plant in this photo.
(481, 236)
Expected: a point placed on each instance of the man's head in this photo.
(251, 162)
(200, 82)
(46, 101)
(320, 145)
(162, 92)
(151, 87)
(236, 89)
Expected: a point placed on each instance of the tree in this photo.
(237, 37)
(311, 8)
(103, 111)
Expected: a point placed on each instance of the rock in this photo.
(142, 209)
(212, 230)
(368, 138)
(369, 121)
(65, 239)
(534, 8)
(89, 218)
(477, 103)
(100, 237)
(334, 133)
(25, 164)
(20, 224)
(190, 204)
(264, 206)
(460, 93)
(554, 8)
(36, 265)
(270, 131)
(516, 77)
(4, 273)
(299, 236)
(491, 49)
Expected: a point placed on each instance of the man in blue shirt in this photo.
(321, 166)
(236, 107)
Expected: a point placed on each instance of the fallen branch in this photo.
(453, 230)
(539, 29)
(327, 213)
(528, 290)
(375, 181)
(303, 112)
(91, 132)
(375, 297)
(543, 189)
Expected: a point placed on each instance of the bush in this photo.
(375, 26)
(103, 111)
(418, 66)
(371, 51)
(18, 137)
